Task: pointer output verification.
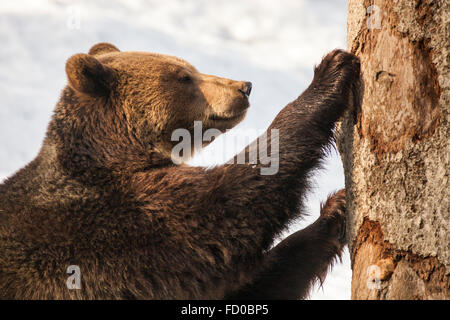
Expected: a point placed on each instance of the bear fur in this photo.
(103, 193)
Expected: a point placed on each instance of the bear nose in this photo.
(246, 89)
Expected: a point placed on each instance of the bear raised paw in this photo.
(103, 198)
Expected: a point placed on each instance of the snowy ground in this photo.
(274, 44)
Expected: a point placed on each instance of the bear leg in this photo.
(291, 267)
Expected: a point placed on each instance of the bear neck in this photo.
(94, 142)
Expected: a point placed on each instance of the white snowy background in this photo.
(273, 44)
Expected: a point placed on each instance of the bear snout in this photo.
(246, 89)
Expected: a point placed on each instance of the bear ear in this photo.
(102, 47)
(89, 76)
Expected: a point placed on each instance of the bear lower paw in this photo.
(333, 217)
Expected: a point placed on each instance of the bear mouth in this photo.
(216, 117)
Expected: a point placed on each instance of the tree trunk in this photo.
(395, 150)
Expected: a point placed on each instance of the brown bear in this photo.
(104, 195)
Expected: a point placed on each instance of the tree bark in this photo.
(395, 150)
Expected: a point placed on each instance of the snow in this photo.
(273, 44)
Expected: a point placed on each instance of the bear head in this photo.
(120, 108)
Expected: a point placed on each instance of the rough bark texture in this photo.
(395, 150)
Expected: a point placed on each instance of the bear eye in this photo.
(185, 78)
